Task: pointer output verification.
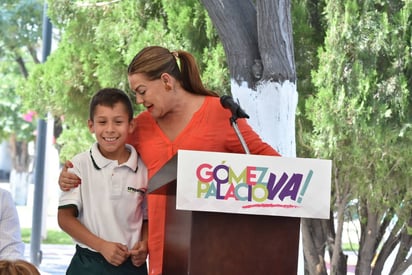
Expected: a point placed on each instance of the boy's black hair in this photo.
(109, 97)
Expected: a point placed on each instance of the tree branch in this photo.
(97, 4)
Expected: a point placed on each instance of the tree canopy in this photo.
(97, 40)
(20, 30)
(361, 116)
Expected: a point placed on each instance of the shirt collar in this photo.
(99, 161)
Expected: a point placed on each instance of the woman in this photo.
(180, 114)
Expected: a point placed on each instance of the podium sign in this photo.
(253, 184)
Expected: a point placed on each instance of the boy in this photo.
(106, 215)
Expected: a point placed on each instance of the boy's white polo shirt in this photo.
(111, 197)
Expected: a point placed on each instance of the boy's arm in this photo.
(140, 249)
(114, 253)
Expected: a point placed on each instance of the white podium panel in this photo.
(253, 184)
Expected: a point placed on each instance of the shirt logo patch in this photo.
(134, 190)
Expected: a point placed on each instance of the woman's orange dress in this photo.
(209, 130)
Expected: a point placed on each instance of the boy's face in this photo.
(111, 127)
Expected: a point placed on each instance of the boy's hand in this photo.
(139, 253)
(114, 253)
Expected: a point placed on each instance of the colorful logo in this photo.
(257, 186)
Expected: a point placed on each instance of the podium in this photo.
(214, 243)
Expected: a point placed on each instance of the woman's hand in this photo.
(68, 180)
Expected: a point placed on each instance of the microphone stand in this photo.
(239, 135)
(237, 112)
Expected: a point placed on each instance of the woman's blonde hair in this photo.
(153, 61)
(17, 267)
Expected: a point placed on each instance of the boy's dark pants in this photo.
(88, 262)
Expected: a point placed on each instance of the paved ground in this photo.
(55, 260)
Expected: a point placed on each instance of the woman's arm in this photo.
(68, 180)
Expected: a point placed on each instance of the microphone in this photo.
(228, 103)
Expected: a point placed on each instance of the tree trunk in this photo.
(339, 260)
(275, 38)
(258, 43)
(403, 258)
(235, 22)
(367, 243)
(19, 153)
(272, 110)
(266, 88)
(22, 66)
(314, 232)
(19, 176)
(19, 186)
(388, 247)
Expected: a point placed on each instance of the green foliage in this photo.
(53, 237)
(308, 35)
(216, 72)
(20, 30)
(362, 110)
(97, 40)
(19, 25)
(12, 115)
(190, 33)
(363, 98)
(79, 136)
